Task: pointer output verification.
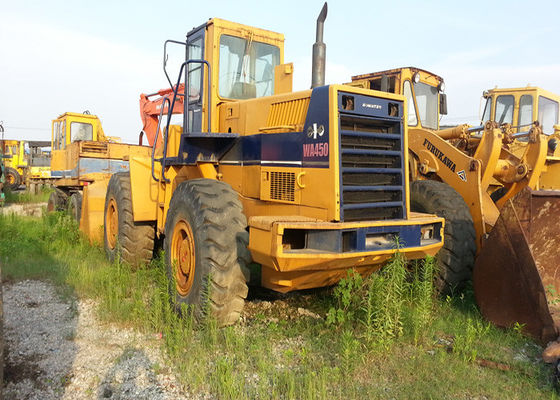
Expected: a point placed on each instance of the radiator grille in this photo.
(282, 186)
(372, 168)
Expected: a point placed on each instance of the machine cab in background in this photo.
(520, 107)
(72, 127)
(423, 90)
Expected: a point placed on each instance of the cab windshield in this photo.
(427, 102)
(246, 68)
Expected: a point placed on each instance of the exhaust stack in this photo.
(319, 52)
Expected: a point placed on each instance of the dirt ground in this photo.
(57, 349)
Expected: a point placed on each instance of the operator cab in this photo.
(73, 127)
(423, 90)
(240, 60)
(521, 106)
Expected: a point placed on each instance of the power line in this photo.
(24, 128)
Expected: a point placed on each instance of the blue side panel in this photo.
(309, 148)
(90, 165)
(371, 106)
(315, 147)
(370, 238)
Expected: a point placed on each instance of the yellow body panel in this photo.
(93, 207)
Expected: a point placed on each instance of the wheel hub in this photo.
(112, 218)
(183, 256)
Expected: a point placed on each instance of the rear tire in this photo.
(130, 241)
(206, 250)
(57, 201)
(75, 206)
(456, 258)
(12, 178)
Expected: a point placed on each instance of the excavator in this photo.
(488, 182)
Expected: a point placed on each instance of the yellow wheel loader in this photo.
(82, 161)
(15, 163)
(529, 285)
(306, 184)
(493, 168)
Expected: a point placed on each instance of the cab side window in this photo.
(81, 131)
(504, 109)
(525, 110)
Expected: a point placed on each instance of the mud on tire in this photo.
(132, 241)
(206, 250)
(456, 258)
(75, 206)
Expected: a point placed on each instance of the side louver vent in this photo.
(93, 147)
(289, 113)
(282, 186)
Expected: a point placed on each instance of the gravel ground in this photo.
(57, 349)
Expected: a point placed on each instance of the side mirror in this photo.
(443, 104)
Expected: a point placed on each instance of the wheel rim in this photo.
(183, 256)
(112, 224)
(11, 179)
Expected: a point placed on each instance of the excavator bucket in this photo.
(517, 273)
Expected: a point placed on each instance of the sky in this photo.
(58, 56)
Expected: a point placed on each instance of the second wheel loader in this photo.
(484, 181)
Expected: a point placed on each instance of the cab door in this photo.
(194, 80)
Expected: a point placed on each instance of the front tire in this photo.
(13, 178)
(130, 241)
(456, 258)
(206, 250)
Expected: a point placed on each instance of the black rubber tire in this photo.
(219, 229)
(75, 206)
(57, 201)
(134, 240)
(455, 260)
(498, 194)
(11, 174)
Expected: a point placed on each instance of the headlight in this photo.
(441, 87)
(416, 77)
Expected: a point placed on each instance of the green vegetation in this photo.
(377, 337)
(27, 197)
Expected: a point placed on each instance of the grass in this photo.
(27, 197)
(383, 336)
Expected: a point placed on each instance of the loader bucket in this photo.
(517, 273)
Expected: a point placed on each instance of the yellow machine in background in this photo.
(307, 184)
(15, 163)
(27, 163)
(488, 166)
(82, 161)
(518, 108)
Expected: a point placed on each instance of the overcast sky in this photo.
(58, 56)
